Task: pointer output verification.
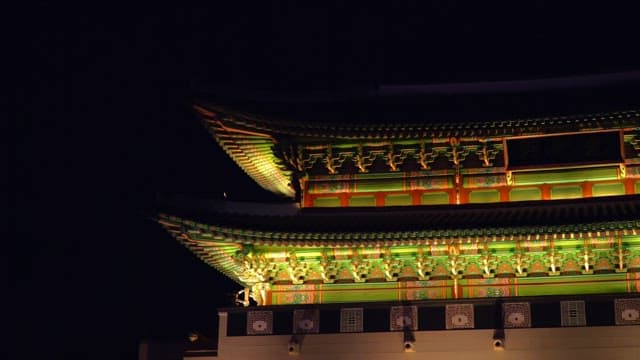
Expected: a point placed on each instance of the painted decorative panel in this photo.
(362, 184)
(428, 183)
(482, 288)
(633, 171)
(571, 265)
(423, 290)
(504, 267)
(484, 181)
(295, 294)
(516, 315)
(603, 262)
(259, 323)
(472, 269)
(329, 187)
(459, 316)
(627, 311)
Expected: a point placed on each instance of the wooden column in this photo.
(344, 200)
(587, 188)
(504, 194)
(546, 192)
(416, 197)
(452, 196)
(629, 186)
(307, 199)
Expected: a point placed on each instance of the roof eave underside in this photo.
(218, 246)
(252, 151)
(217, 242)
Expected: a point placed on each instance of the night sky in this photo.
(105, 125)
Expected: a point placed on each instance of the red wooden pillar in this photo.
(307, 199)
(546, 192)
(269, 300)
(416, 197)
(344, 200)
(464, 196)
(504, 194)
(587, 189)
(629, 186)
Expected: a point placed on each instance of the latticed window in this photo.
(573, 313)
(351, 320)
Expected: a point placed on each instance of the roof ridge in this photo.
(582, 121)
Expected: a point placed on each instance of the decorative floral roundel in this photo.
(305, 324)
(259, 325)
(630, 314)
(460, 320)
(516, 318)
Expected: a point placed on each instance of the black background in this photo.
(105, 123)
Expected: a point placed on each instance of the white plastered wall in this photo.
(609, 342)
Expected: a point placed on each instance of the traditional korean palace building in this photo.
(455, 240)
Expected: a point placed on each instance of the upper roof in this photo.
(251, 139)
(415, 128)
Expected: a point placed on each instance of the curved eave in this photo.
(204, 235)
(252, 151)
(426, 129)
(218, 253)
(218, 240)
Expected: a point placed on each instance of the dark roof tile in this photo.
(576, 213)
